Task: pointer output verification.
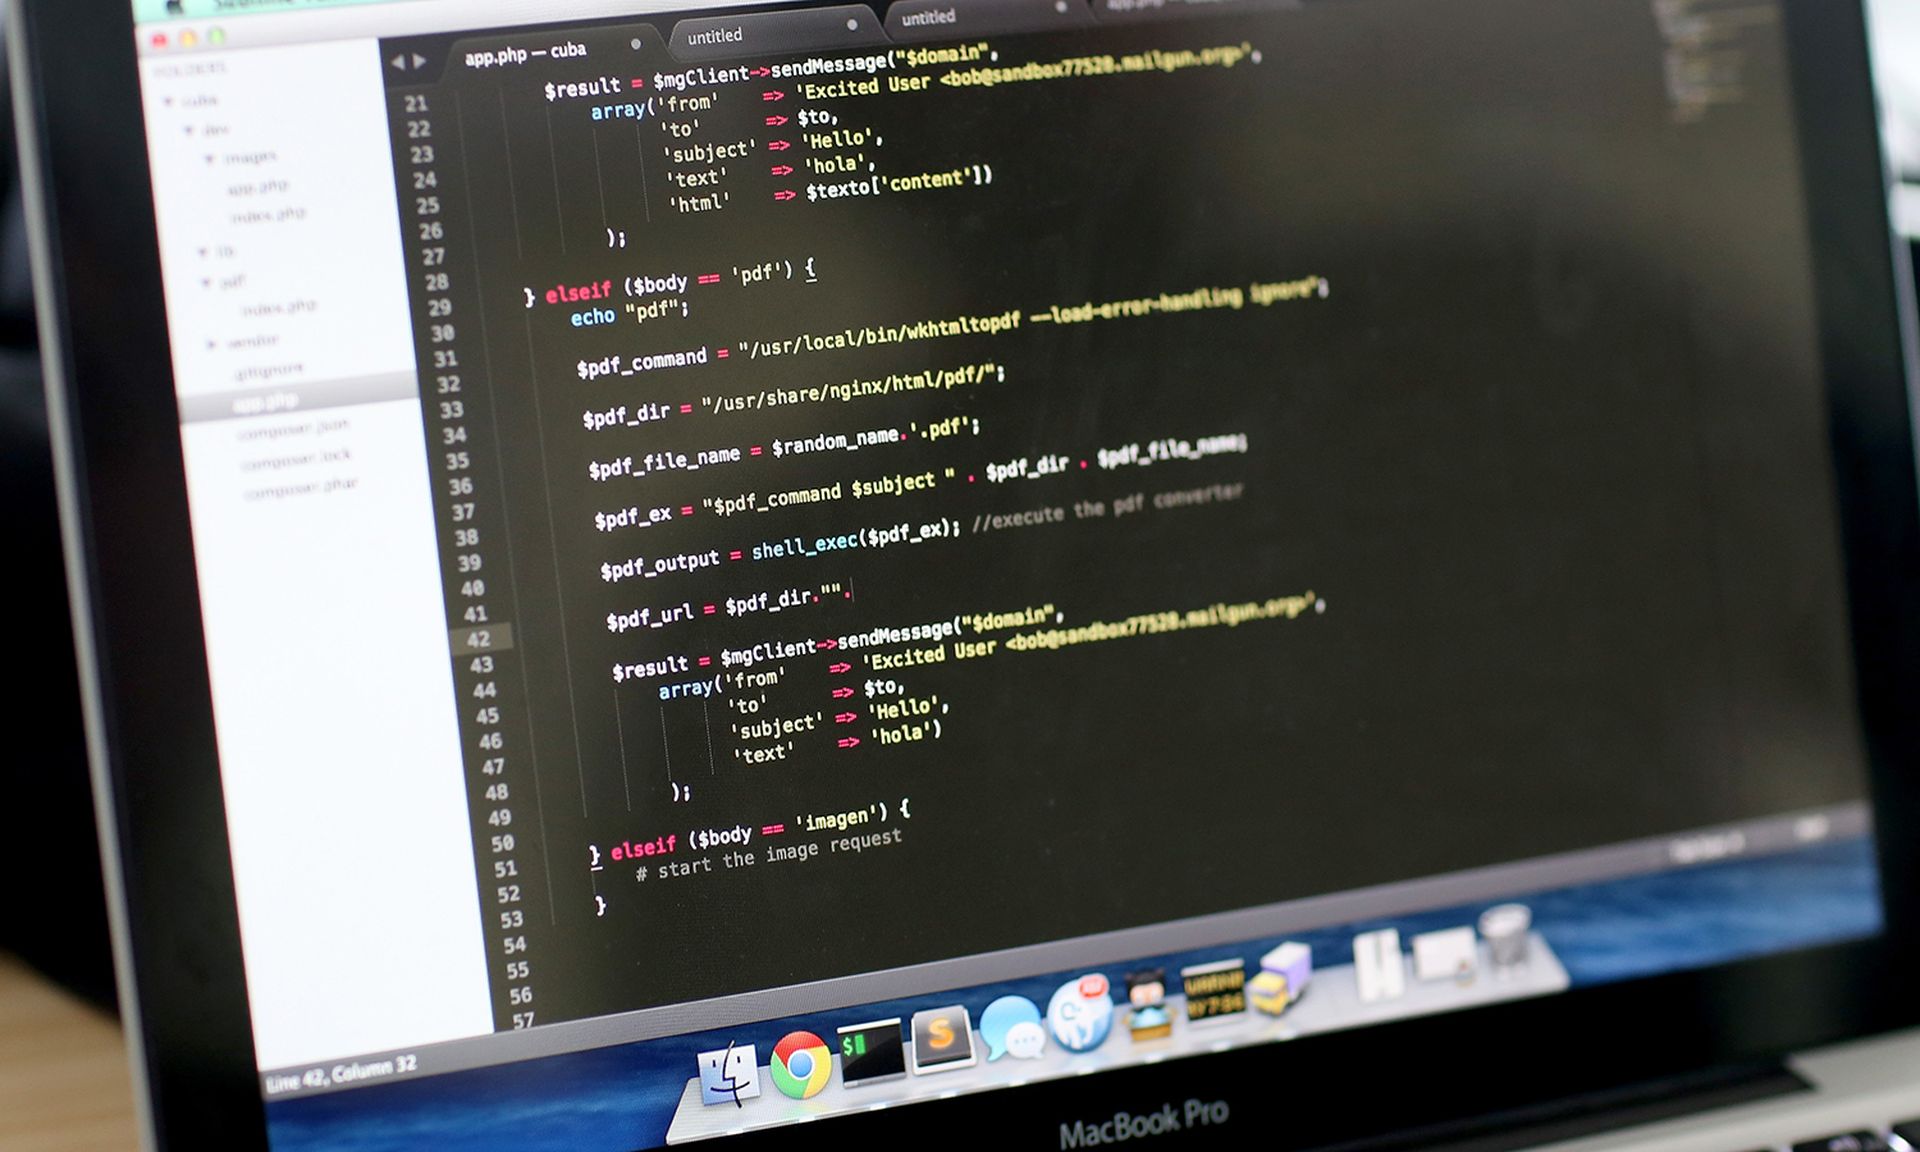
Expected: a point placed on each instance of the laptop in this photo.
(1055, 573)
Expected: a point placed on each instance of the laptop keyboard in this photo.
(1901, 1138)
(1862, 1141)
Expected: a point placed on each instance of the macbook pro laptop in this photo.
(1035, 573)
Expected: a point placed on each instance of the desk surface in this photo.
(64, 1085)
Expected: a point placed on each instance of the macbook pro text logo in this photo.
(1125, 1126)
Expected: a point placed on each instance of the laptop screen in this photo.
(762, 563)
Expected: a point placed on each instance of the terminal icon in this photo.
(870, 1053)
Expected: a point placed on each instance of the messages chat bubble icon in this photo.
(1007, 1019)
(1026, 1040)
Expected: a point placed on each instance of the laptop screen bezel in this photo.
(151, 732)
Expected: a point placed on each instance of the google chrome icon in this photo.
(801, 1065)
